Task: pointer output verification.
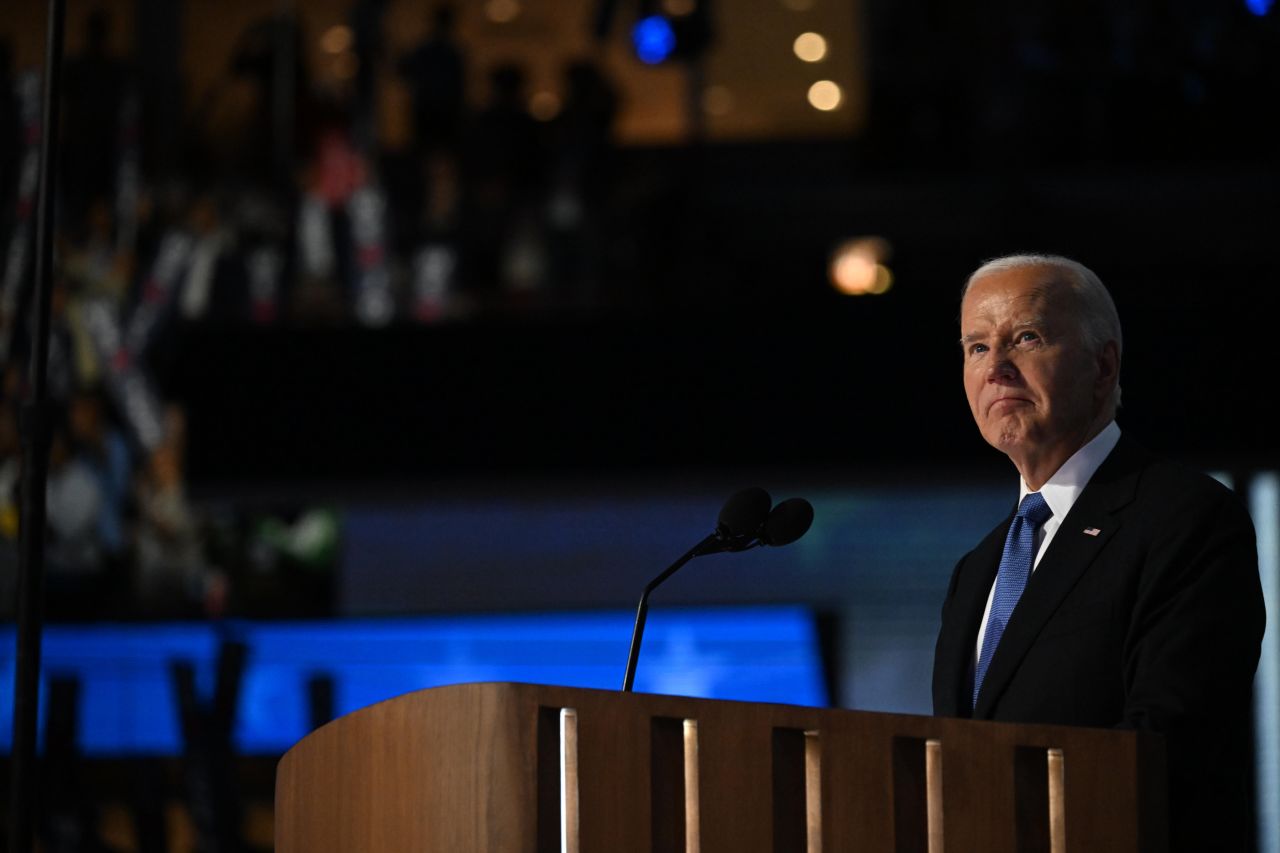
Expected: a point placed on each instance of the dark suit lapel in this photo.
(1070, 554)
(960, 630)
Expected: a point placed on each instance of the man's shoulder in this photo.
(1160, 485)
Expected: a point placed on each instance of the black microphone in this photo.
(745, 522)
(740, 522)
(787, 522)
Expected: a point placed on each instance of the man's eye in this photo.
(1027, 337)
(977, 349)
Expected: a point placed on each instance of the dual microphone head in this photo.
(749, 518)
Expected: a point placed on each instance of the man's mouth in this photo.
(1008, 402)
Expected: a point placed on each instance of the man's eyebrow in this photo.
(1036, 321)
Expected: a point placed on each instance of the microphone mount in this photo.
(746, 521)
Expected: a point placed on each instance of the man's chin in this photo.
(1007, 438)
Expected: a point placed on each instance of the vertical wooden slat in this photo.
(813, 790)
(692, 811)
(734, 796)
(933, 793)
(857, 814)
(570, 841)
(1106, 784)
(1057, 801)
(979, 791)
(613, 770)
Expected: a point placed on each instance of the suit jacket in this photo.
(1154, 622)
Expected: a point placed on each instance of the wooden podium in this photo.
(525, 768)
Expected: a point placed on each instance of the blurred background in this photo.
(401, 343)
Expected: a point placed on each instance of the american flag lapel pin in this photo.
(1091, 531)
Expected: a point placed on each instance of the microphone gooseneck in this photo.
(745, 521)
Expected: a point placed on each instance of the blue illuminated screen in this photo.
(128, 704)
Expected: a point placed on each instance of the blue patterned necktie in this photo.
(1015, 567)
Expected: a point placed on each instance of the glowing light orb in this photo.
(810, 47)
(825, 95)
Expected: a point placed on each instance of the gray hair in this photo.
(1095, 311)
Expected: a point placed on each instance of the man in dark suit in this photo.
(1124, 591)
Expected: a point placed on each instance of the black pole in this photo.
(637, 631)
(35, 468)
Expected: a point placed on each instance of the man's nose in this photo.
(1002, 369)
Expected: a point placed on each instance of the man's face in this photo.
(1033, 386)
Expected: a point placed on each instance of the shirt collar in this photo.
(1066, 484)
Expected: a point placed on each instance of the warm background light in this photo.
(857, 267)
(825, 95)
(345, 66)
(717, 100)
(810, 47)
(336, 39)
(544, 105)
(502, 11)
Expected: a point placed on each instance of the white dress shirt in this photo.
(1060, 493)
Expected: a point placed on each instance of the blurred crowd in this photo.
(299, 214)
(300, 217)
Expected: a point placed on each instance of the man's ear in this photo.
(1108, 361)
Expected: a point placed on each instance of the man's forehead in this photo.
(1005, 309)
(1006, 298)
